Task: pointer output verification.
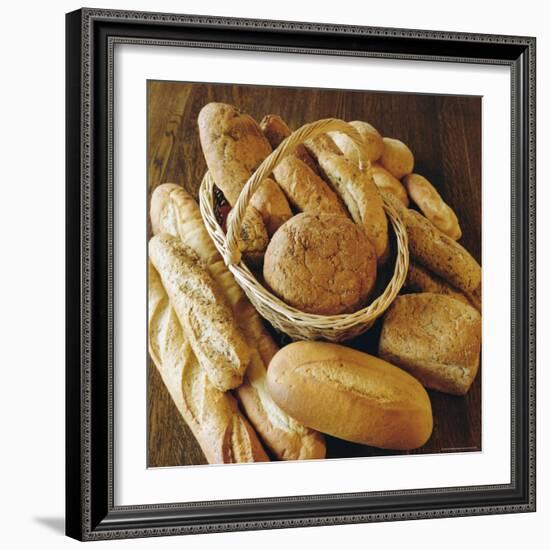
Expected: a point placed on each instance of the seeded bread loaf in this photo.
(434, 337)
(222, 432)
(437, 251)
(202, 311)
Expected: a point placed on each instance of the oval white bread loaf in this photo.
(222, 432)
(177, 212)
(202, 310)
(351, 395)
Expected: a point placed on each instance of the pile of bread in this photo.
(318, 235)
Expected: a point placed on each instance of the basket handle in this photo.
(308, 131)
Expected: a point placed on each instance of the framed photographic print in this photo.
(300, 274)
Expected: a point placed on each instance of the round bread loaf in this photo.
(321, 263)
(350, 395)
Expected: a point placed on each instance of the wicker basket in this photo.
(296, 323)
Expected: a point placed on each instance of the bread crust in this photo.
(285, 438)
(385, 181)
(305, 190)
(222, 432)
(434, 337)
(351, 395)
(426, 197)
(396, 158)
(321, 263)
(270, 201)
(361, 196)
(372, 140)
(276, 130)
(437, 251)
(202, 311)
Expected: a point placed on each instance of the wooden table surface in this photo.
(444, 133)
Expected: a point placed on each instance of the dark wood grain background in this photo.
(444, 133)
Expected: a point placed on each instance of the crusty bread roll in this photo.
(305, 190)
(384, 180)
(351, 395)
(222, 432)
(202, 310)
(434, 337)
(253, 237)
(321, 144)
(372, 140)
(436, 251)
(361, 197)
(234, 147)
(286, 438)
(396, 158)
(420, 279)
(426, 197)
(276, 130)
(321, 263)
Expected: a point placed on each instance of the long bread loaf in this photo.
(222, 432)
(202, 310)
(177, 212)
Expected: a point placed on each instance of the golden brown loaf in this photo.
(351, 395)
(222, 432)
(234, 147)
(372, 140)
(419, 279)
(384, 180)
(276, 130)
(361, 197)
(436, 251)
(253, 237)
(426, 197)
(305, 190)
(271, 202)
(202, 310)
(321, 263)
(286, 438)
(434, 337)
(397, 158)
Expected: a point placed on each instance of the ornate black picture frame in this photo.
(90, 510)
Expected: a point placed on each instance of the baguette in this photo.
(434, 337)
(202, 310)
(276, 130)
(305, 190)
(426, 197)
(351, 395)
(362, 198)
(222, 432)
(234, 147)
(178, 213)
(437, 251)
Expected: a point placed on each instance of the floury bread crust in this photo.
(351, 395)
(434, 337)
(222, 432)
(359, 193)
(285, 438)
(321, 263)
(202, 311)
